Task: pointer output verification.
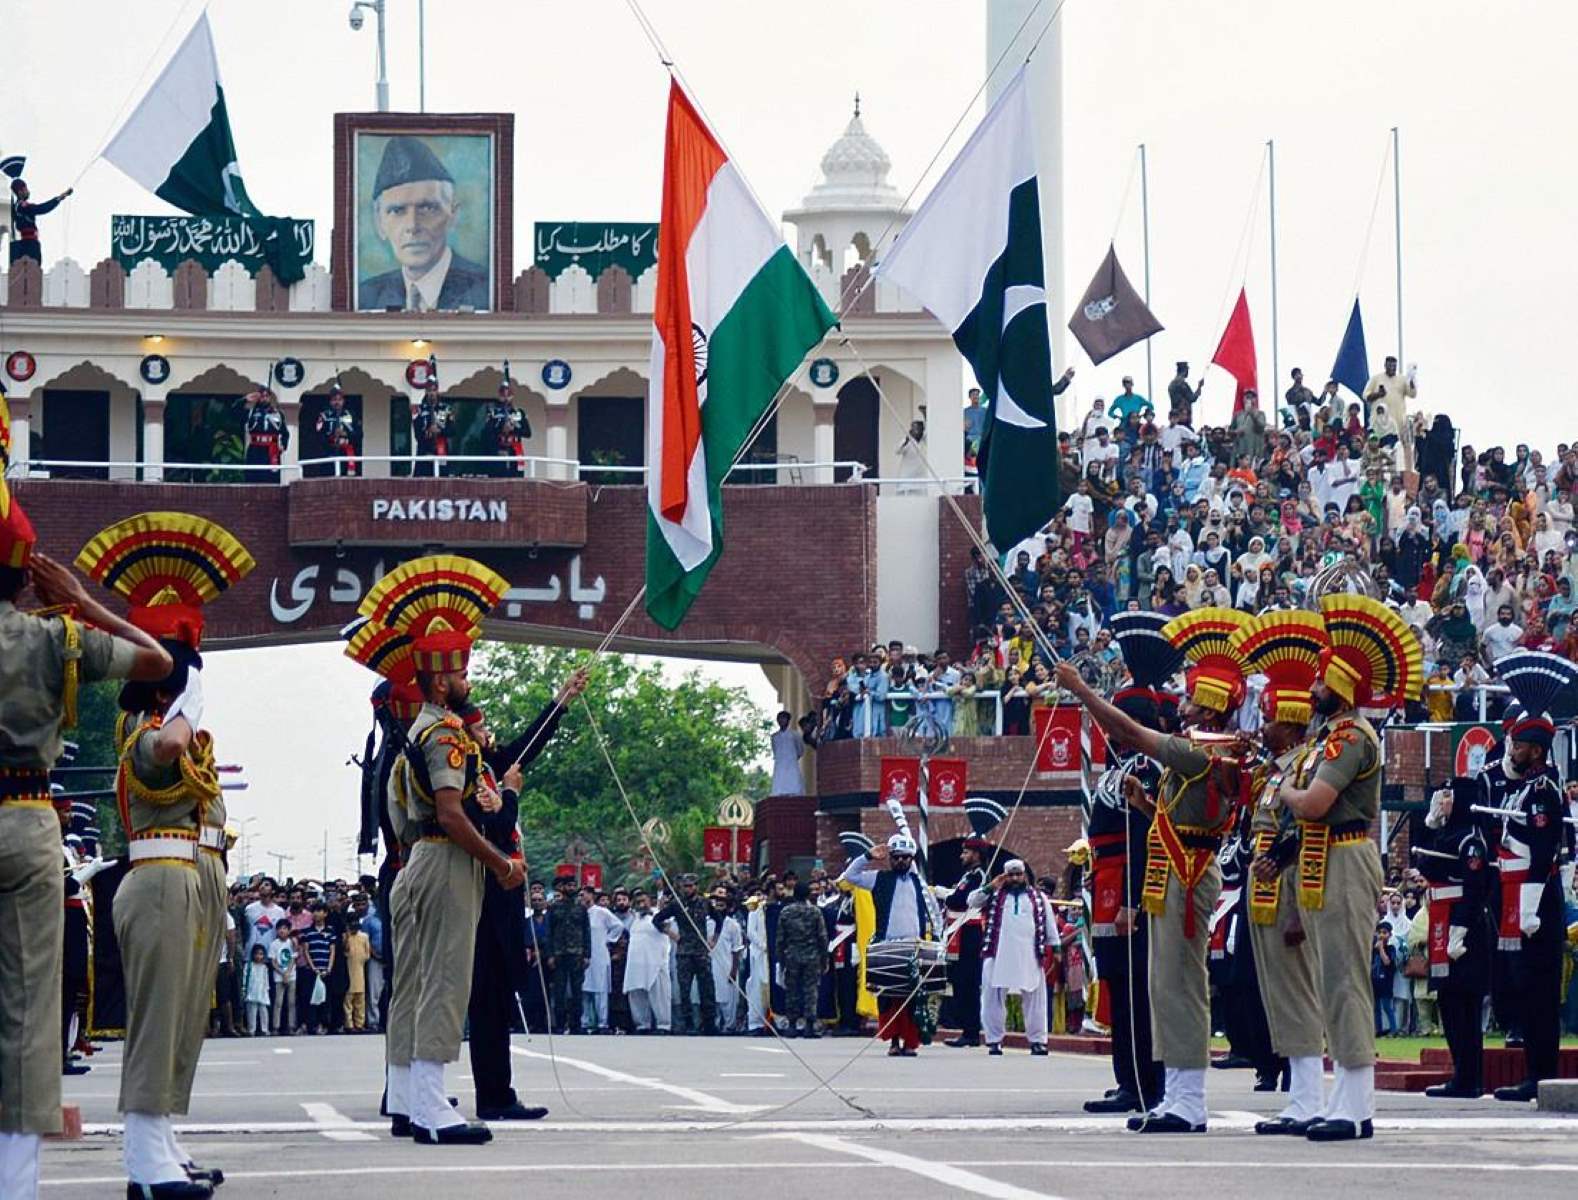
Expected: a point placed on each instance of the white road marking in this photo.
(697, 1100)
(767, 1050)
(750, 1074)
(1445, 1126)
(284, 1050)
(956, 1177)
(335, 1125)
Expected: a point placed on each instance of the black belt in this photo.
(1199, 841)
(19, 783)
(1349, 828)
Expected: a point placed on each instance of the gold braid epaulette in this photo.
(71, 674)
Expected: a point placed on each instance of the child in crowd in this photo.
(255, 991)
(282, 955)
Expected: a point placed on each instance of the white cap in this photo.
(902, 843)
(1014, 864)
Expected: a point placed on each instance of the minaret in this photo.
(1003, 21)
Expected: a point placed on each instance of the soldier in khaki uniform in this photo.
(1374, 661)
(170, 911)
(43, 660)
(434, 606)
(1195, 803)
(1285, 647)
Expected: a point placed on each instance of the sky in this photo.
(1480, 96)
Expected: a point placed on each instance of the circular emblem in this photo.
(698, 348)
(824, 372)
(20, 365)
(289, 372)
(556, 374)
(154, 368)
(1472, 749)
(417, 372)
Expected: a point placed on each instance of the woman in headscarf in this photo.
(1193, 585)
(1252, 559)
(1472, 592)
(1435, 452)
(1454, 632)
(1116, 542)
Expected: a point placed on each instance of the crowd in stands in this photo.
(1474, 547)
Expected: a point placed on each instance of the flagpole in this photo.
(1397, 214)
(1145, 234)
(1276, 370)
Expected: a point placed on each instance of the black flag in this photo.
(1111, 316)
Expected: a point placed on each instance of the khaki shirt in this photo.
(1183, 786)
(32, 681)
(1350, 761)
(1268, 812)
(177, 795)
(446, 751)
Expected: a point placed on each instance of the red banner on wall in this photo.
(947, 782)
(722, 844)
(591, 873)
(1057, 748)
(900, 781)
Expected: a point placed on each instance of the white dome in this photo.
(854, 174)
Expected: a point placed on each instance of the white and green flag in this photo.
(972, 257)
(733, 317)
(177, 142)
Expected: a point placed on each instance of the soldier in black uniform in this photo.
(1532, 923)
(693, 955)
(964, 969)
(430, 422)
(1117, 834)
(507, 431)
(500, 974)
(1233, 967)
(267, 435)
(1454, 862)
(337, 426)
(24, 213)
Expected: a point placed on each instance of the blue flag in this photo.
(1352, 368)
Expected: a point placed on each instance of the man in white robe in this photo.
(756, 988)
(728, 944)
(606, 929)
(1019, 924)
(646, 969)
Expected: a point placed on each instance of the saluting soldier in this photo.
(43, 660)
(268, 437)
(437, 603)
(169, 913)
(1374, 660)
(1196, 800)
(430, 422)
(1285, 647)
(337, 426)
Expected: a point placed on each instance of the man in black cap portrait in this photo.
(415, 210)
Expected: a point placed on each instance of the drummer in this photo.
(905, 911)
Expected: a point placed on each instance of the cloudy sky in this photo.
(1480, 95)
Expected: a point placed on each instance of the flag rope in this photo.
(1240, 252)
(1375, 208)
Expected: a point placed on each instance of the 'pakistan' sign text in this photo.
(423, 509)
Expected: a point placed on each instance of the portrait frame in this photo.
(358, 138)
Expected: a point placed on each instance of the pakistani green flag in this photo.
(972, 257)
(177, 142)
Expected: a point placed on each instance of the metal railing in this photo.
(867, 708)
(533, 466)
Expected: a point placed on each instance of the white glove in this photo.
(1529, 908)
(91, 868)
(942, 893)
(189, 704)
(1440, 808)
(1457, 942)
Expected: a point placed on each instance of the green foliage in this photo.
(679, 749)
(95, 739)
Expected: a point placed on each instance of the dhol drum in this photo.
(897, 968)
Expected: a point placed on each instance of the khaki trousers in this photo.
(32, 897)
(356, 1010)
(157, 912)
(1340, 933)
(209, 941)
(1287, 978)
(1180, 989)
(400, 1031)
(446, 902)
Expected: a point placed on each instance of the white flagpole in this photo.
(1145, 228)
(1276, 370)
(1397, 214)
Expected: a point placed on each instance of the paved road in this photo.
(693, 1116)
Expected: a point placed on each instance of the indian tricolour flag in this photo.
(177, 142)
(733, 318)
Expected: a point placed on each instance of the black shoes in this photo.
(1165, 1123)
(399, 1126)
(467, 1133)
(1339, 1131)
(1038, 1050)
(212, 1176)
(961, 1041)
(1231, 1062)
(1283, 1125)
(1453, 1091)
(1114, 1102)
(1525, 1091)
(995, 1049)
(183, 1190)
(512, 1112)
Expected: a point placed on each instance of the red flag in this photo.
(1235, 353)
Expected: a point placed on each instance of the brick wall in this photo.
(538, 513)
(787, 827)
(997, 767)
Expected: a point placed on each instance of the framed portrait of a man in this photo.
(422, 212)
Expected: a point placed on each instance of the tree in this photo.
(678, 748)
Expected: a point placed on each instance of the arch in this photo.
(857, 424)
(86, 413)
(860, 242)
(217, 378)
(609, 424)
(819, 251)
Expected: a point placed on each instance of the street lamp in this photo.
(356, 20)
